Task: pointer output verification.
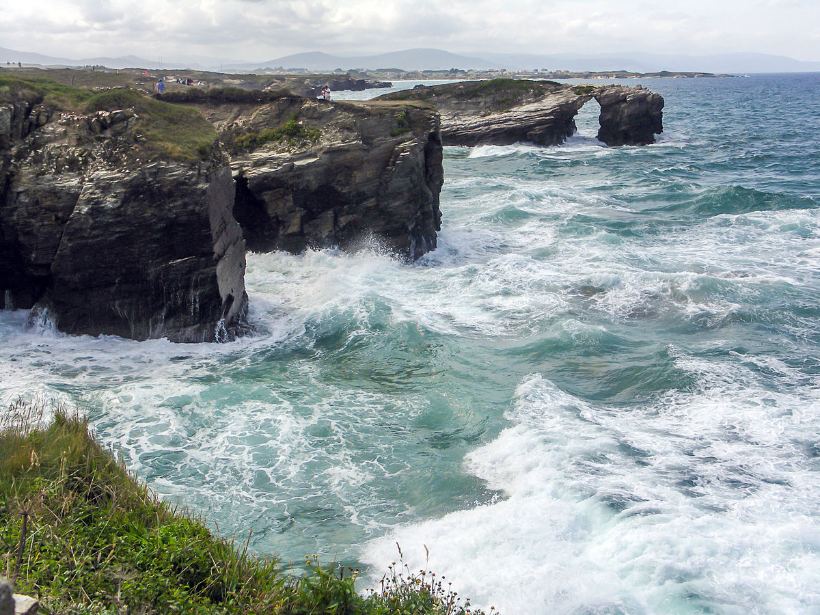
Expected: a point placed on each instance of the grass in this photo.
(584, 90)
(84, 536)
(501, 85)
(173, 131)
(48, 91)
(292, 132)
(497, 94)
(402, 124)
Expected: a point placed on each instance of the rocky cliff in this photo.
(112, 222)
(507, 111)
(313, 86)
(314, 174)
(118, 212)
(629, 116)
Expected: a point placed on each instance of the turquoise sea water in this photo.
(601, 394)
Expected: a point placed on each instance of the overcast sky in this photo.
(258, 30)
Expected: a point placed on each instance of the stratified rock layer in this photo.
(507, 111)
(358, 172)
(629, 116)
(107, 242)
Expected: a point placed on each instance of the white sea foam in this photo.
(692, 500)
(487, 151)
(690, 485)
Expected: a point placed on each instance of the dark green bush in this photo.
(291, 132)
(223, 96)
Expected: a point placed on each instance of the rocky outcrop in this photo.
(314, 174)
(313, 87)
(123, 221)
(108, 239)
(507, 111)
(629, 116)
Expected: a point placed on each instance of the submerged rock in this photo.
(507, 111)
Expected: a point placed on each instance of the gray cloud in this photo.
(262, 29)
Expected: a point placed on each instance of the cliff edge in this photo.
(313, 174)
(116, 215)
(126, 215)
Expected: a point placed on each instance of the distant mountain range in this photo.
(408, 59)
(27, 57)
(437, 59)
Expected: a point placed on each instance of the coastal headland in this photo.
(128, 213)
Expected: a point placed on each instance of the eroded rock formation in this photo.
(312, 174)
(124, 220)
(313, 87)
(629, 116)
(507, 111)
(108, 239)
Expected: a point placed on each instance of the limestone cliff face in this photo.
(507, 111)
(111, 243)
(335, 174)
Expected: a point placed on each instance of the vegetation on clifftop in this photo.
(292, 132)
(175, 131)
(223, 96)
(52, 93)
(502, 85)
(79, 532)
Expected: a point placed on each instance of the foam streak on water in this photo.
(599, 395)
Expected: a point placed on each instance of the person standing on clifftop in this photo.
(326, 93)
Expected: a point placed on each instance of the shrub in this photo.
(291, 132)
(223, 96)
(402, 124)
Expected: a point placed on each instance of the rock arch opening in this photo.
(587, 121)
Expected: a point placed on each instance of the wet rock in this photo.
(150, 253)
(362, 171)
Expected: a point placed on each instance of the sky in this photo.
(258, 30)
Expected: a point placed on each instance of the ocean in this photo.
(600, 394)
